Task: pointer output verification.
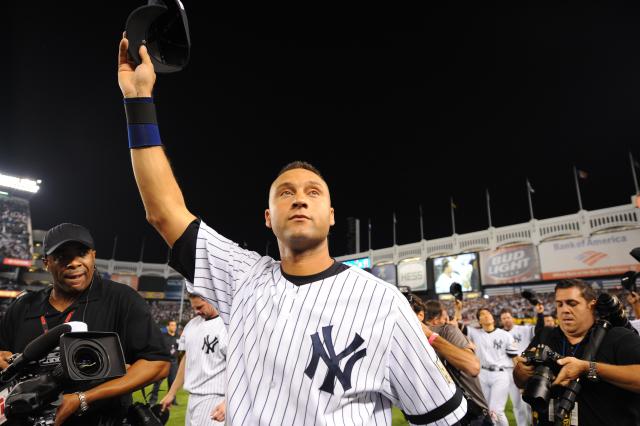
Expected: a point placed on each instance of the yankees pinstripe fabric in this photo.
(333, 349)
(199, 410)
(522, 336)
(205, 343)
(495, 348)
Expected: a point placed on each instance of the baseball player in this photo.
(202, 368)
(311, 340)
(522, 336)
(495, 348)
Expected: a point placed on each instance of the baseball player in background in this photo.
(522, 336)
(311, 340)
(495, 348)
(202, 368)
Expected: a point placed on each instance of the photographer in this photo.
(610, 391)
(634, 300)
(464, 374)
(80, 294)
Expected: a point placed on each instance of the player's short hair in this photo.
(433, 309)
(482, 309)
(196, 295)
(506, 311)
(586, 290)
(300, 165)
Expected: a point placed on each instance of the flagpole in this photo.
(633, 172)
(394, 228)
(115, 244)
(529, 191)
(575, 177)
(144, 237)
(453, 216)
(488, 207)
(421, 223)
(369, 233)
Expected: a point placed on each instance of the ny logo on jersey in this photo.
(328, 354)
(209, 346)
(517, 338)
(497, 344)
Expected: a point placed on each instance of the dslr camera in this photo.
(59, 361)
(538, 389)
(628, 280)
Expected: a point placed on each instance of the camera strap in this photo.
(43, 321)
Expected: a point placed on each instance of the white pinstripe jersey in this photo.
(340, 349)
(495, 348)
(522, 336)
(205, 343)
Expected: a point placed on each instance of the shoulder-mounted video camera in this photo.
(33, 388)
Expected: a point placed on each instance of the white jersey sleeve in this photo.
(416, 380)
(213, 265)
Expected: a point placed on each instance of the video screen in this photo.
(361, 263)
(461, 269)
(15, 229)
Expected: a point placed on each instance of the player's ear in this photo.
(332, 219)
(267, 218)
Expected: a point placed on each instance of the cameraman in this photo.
(614, 396)
(80, 294)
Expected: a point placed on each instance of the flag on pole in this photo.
(369, 233)
(488, 207)
(530, 188)
(635, 166)
(453, 216)
(579, 174)
(394, 228)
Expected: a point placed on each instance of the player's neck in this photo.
(308, 262)
(488, 328)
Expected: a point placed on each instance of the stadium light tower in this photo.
(21, 184)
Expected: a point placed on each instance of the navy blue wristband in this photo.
(142, 125)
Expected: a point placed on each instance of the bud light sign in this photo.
(509, 265)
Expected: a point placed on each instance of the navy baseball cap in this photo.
(65, 233)
(162, 26)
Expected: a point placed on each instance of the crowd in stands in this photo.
(15, 239)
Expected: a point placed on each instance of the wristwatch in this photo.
(84, 406)
(592, 373)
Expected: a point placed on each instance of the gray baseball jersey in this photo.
(339, 347)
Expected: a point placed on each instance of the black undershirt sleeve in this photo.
(183, 253)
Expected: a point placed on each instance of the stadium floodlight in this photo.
(21, 184)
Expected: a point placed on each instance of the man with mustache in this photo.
(80, 294)
(610, 391)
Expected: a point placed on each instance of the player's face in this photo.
(420, 316)
(71, 267)
(575, 314)
(507, 321)
(549, 321)
(485, 318)
(172, 327)
(300, 212)
(203, 308)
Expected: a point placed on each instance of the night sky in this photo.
(396, 108)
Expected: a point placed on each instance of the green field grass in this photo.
(178, 412)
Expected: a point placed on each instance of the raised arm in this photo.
(163, 201)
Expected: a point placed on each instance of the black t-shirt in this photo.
(105, 306)
(172, 346)
(601, 403)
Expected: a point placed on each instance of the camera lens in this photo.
(87, 360)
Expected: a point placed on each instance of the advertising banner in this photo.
(130, 280)
(602, 254)
(413, 274)
(507, 265)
